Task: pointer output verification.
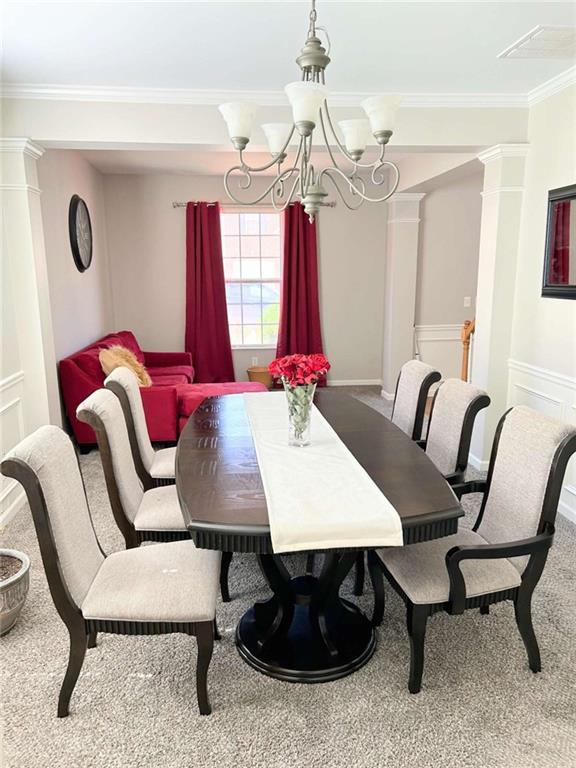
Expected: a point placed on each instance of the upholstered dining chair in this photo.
(152, 515)
(503, 556)
(154, 468)
(412, 388)
(161, 589)
(454, 409)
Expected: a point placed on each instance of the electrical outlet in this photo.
(467, 301)
(254, 361)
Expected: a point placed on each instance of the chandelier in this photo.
(355, 183)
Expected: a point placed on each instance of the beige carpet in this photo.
(134, 705)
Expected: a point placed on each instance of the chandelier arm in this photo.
(329, 171)
(343, 149)
(328, 174)
(289, 199)
(275, 159)
(276, 180)
(326, 140)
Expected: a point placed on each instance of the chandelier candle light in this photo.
(299, 374)
(299, 179)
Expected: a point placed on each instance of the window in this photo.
(252, 253)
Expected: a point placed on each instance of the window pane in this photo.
(269, 334)
(235, 314)
(250, 247)
(252, 314)
(251, 293)
(230, 247)
(252, 334)
(270, 223)
(271, 293)
(233, 295)
(271, 268)
(236, 334)
(271, 313)
(270, 247)
(250, 269)
(229, 223)
(231, 268)
(250, 223)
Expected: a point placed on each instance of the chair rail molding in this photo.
(554, 394)
(439, 346)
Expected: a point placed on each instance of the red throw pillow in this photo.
(89, 362)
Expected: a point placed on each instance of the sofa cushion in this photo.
(190, 397)
(128, 340)
(168, 381)
(171, 370)
(89, 362)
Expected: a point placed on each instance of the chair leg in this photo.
(377, 579)
(416, 621)
(205, 639)
(523, 612)
(92, 639)
(484, 610)
(359, 575)
(224, 568)
(310, 560)
(78, 644)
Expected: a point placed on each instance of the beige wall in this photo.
(146, 238)
(544, 330)
(448, 251)
(81, 303)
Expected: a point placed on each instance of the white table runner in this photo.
(318, 497)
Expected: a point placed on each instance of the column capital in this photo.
(500, 151)
(404, 207)
(407, 197)
(25, 146)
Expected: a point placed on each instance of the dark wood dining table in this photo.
(304, 632)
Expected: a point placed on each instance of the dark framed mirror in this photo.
(560, 254)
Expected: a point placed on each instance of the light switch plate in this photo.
(467, 301)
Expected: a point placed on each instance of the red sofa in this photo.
(168, 403)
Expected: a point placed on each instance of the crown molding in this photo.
(554, 85)
(199, 97)
(500, 151)
(25, 146)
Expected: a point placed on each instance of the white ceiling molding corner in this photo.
(554, 85)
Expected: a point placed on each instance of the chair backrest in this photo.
(525, 476)
(123, 382)
(45, 463)
(454, 409)
(102, 410)
(412, 389)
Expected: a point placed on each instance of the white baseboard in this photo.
(479, 464)
(354, 382)
(387, 395)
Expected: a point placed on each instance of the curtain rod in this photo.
(181, 204)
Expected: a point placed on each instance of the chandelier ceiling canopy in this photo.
(297, 178)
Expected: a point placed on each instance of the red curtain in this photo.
(299, 330)
(207, 336)
(560, 262)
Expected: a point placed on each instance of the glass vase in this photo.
(299, 411)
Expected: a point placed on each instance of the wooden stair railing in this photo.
(466, 335)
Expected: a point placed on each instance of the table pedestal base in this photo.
(306, 632)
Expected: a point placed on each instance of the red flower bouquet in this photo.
(299, 374)
(296, 370)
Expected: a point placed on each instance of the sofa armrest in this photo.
(161, 410)
(159, 359)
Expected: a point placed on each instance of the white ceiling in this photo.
(408, 47)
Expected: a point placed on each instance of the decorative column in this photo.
(400, 286)
(28, 344)
(499, 238)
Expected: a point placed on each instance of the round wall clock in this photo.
(80, 231)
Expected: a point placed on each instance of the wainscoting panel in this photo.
(11, 432)
(554, 395)
(441, 347)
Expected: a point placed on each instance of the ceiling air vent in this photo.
(543, 42)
